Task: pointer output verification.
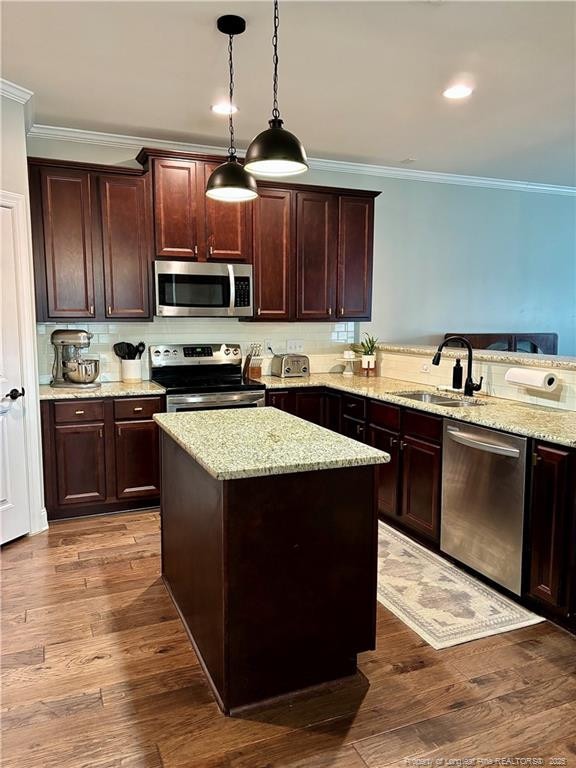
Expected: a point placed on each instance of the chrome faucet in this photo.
(469, 385)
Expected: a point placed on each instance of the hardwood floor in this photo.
(97, 671)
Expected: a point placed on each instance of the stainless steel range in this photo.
(203, 377)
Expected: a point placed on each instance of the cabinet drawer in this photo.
(137, 407)
(384, 415)
(79, 410)
(354, 406)
(422, 425)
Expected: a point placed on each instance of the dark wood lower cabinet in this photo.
(388, 477)
(421, 478)
(137, 459)
(80, 463)
(310, 406)
(96, 462)
(553, 529)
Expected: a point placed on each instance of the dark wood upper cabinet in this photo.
(552, 525)
(92, 240)
(356, 229)
(66, 214)
(273, 255)
(227, 227)
(316, 244)
(176, 212)
(125, 246)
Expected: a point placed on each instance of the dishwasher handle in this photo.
(473, 442)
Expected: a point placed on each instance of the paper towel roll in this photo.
(535, 379)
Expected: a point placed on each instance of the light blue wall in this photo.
(447, 257)
(459, 258)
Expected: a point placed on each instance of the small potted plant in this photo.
(369, 346)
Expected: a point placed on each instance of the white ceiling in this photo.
(359, 81)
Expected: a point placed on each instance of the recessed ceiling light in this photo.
(458, 91)
(224, 108)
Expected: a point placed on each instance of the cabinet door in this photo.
(137, 459)
(316, 244)
(356, 231)
(176, 209)
(421, 467)
(387, 475)
(333, 411)
(273, 255)
(227, 227)
(80, 463)
(126, 246)
(354, 429)
(551, 526)
(68, 248)
(310, 406)
(284, 400)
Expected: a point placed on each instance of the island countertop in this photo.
(254, 442)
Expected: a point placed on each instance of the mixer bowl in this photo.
(82, 371)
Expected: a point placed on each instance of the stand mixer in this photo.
(70, 369)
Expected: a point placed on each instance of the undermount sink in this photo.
(433, 399)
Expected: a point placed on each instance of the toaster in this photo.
(290, 366)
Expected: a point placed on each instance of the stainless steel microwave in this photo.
(195, 289)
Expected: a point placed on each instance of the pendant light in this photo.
(230, 182)
(276, 152)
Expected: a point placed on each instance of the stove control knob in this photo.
(287, 369)
(166, 353)
(174, 353)
(156, 353)
(236, 352)
(226, 351)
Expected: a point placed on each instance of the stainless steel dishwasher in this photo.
(483, 487)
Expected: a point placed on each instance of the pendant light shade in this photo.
(276, 151)
(230, 182)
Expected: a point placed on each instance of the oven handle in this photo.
(198, 401)
(232, 288)
(472, 442)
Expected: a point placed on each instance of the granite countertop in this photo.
(564, 362)
(254, 442)
(107, 389)
(549, 424)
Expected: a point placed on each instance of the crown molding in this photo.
(15, 92)
(56, 133)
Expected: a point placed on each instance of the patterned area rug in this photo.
(440, 602)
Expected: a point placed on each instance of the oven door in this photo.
(215, 401)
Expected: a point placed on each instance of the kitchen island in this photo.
(269, 548)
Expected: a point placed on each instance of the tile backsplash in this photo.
(324, 340)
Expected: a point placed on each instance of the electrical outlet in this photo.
(295, 346)
(425, 368)
(278, 346)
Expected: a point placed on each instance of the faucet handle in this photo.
(477, 387)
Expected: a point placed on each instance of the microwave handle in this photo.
(232, 288)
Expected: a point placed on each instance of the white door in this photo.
(14, 501)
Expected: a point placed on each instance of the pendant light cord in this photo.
(275, 110)
(231, 148)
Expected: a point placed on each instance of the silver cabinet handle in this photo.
(259, 311)
(472, 442)
(78, 413)
(109, 310)
(195, 250)
(91, 310)
(210, 250)
(329, 311)
(137, 410)
(341, 311)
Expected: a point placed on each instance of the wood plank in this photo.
(120, 686)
